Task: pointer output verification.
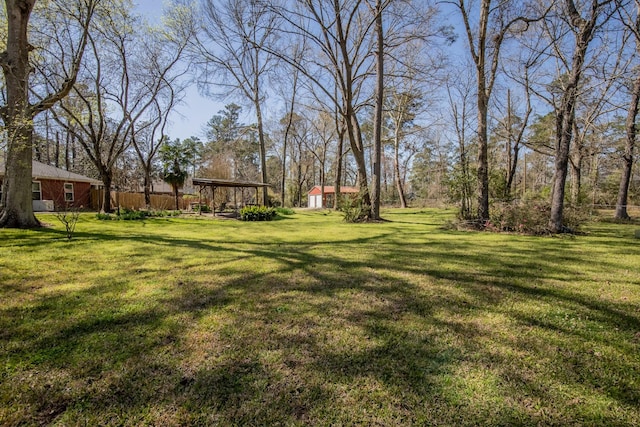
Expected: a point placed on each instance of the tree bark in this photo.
(147, 186)
(263, 154)
(337, 203)
(396, 168)
(17, 116)
(377, 121)
(566, 112)
(107, 180)
(627, 158)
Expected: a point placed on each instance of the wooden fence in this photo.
(136, 201)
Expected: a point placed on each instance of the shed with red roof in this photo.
(316, 200)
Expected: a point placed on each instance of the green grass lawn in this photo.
(309, 320)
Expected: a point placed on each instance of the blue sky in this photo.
(190, 117)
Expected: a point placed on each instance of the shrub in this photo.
(133, 215)
(201, 208)
(257, 213)
(532, 217)
(285, 211)
(129, 214)
(69, 218)
(104, 216)
(353, 210)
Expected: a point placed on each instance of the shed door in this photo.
(315, 201)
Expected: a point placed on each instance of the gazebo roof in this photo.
(214, 182)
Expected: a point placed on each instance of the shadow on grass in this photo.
(451, 333)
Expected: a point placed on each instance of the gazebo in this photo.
(214, 183)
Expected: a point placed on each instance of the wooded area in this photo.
(476, 103)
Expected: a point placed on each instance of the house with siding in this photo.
(53, 188)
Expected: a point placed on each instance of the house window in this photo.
(36, 191)
(68, 192)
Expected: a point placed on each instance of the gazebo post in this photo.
(200, 201)
(235, 201)
(213, 199)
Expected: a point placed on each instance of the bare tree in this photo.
(485, 40)
(289, 91)
(115, 91)
(339, 31)
(459, 95)
(632, 23)
(232, 41)
(583, 26)
(161, 52)
(24, 99)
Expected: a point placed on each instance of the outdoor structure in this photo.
(53, 188)
(315, 200)
(203, 183)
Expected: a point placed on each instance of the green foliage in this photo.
(134, 215)
(176, 156)
(460, 183)
(285, 211)
(353, 209)
(101, 216)
(257, 213)
(201, 208)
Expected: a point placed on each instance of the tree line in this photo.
(412, 101)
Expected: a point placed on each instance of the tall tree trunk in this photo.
(147, 186)
(351, 119)
(396, 168)
(283, 178)
(357, 148)
(566, 113)
(57, 151)
(67, 162)
(627, 158)
(176, 194)
(17, 117)
(512, 170)
(339, 152)
(377, 121)
(564, 134)
(107, 180)
(576, 178)
(483, 158)
(263, 151)
(483, 106)
(287, 132)
(17, 114)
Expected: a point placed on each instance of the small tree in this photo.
(175, 157)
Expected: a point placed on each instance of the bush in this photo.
(354, 210)
(531, 217)
(257, 213)
(133, 215)
(105, 217)
(201, 208)
(285, 211)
